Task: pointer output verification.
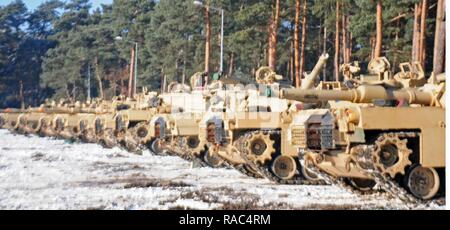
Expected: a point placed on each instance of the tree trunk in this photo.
(123, 90)
(288, 63)
(350, 44)
(439, 39)
(131, 78)
(207, 37)
(416, 32)
(99, 79)
(292, 64)
(263, 59)
(165, 83)
(319, 49)
(231, 65)
(423, 31)
(372, 46)
(124, 77)
(325, 38)
(379, 38)
(395, 58)
(336, 44)
(161, 81)
(273, 40)
(302, 55)
(297, 44)
(69, 96)
(344, 37)
(22, 98)
(114, 87)
(288, 69)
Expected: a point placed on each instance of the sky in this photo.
(32, 4)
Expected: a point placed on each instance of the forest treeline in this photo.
(53, 50)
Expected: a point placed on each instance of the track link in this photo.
(386, 183)
(264, 170)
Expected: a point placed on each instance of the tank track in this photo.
(88, 136)
(132, 143)
(387, 184)
(188, 156)
(107, 139)
(241, 168)
(164, 152)
(264, 171)
(338, 182)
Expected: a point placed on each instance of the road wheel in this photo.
(422, 182)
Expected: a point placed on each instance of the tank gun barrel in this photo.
(13, 110)
(362, 94)
(51, 110)
(308, 83)
(71, 110)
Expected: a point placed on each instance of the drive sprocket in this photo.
(141, 132)
(260, 147)
(391, 154)
(194, 145)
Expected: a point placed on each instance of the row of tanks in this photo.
(373, 131)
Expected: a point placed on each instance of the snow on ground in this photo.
(43, 173)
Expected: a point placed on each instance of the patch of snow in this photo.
(44, 173)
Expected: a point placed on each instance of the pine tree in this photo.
(65, 64)
(439, 42)
(12, 53)
(49, 52)
(175, 29)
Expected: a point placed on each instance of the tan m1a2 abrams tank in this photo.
(93, 121)
(72, 121)
(118, 122)
(375, 134)
(10, 119)
(32, 120)
(131, 120)
(174, 130)
(64, 120)
(251, 134)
